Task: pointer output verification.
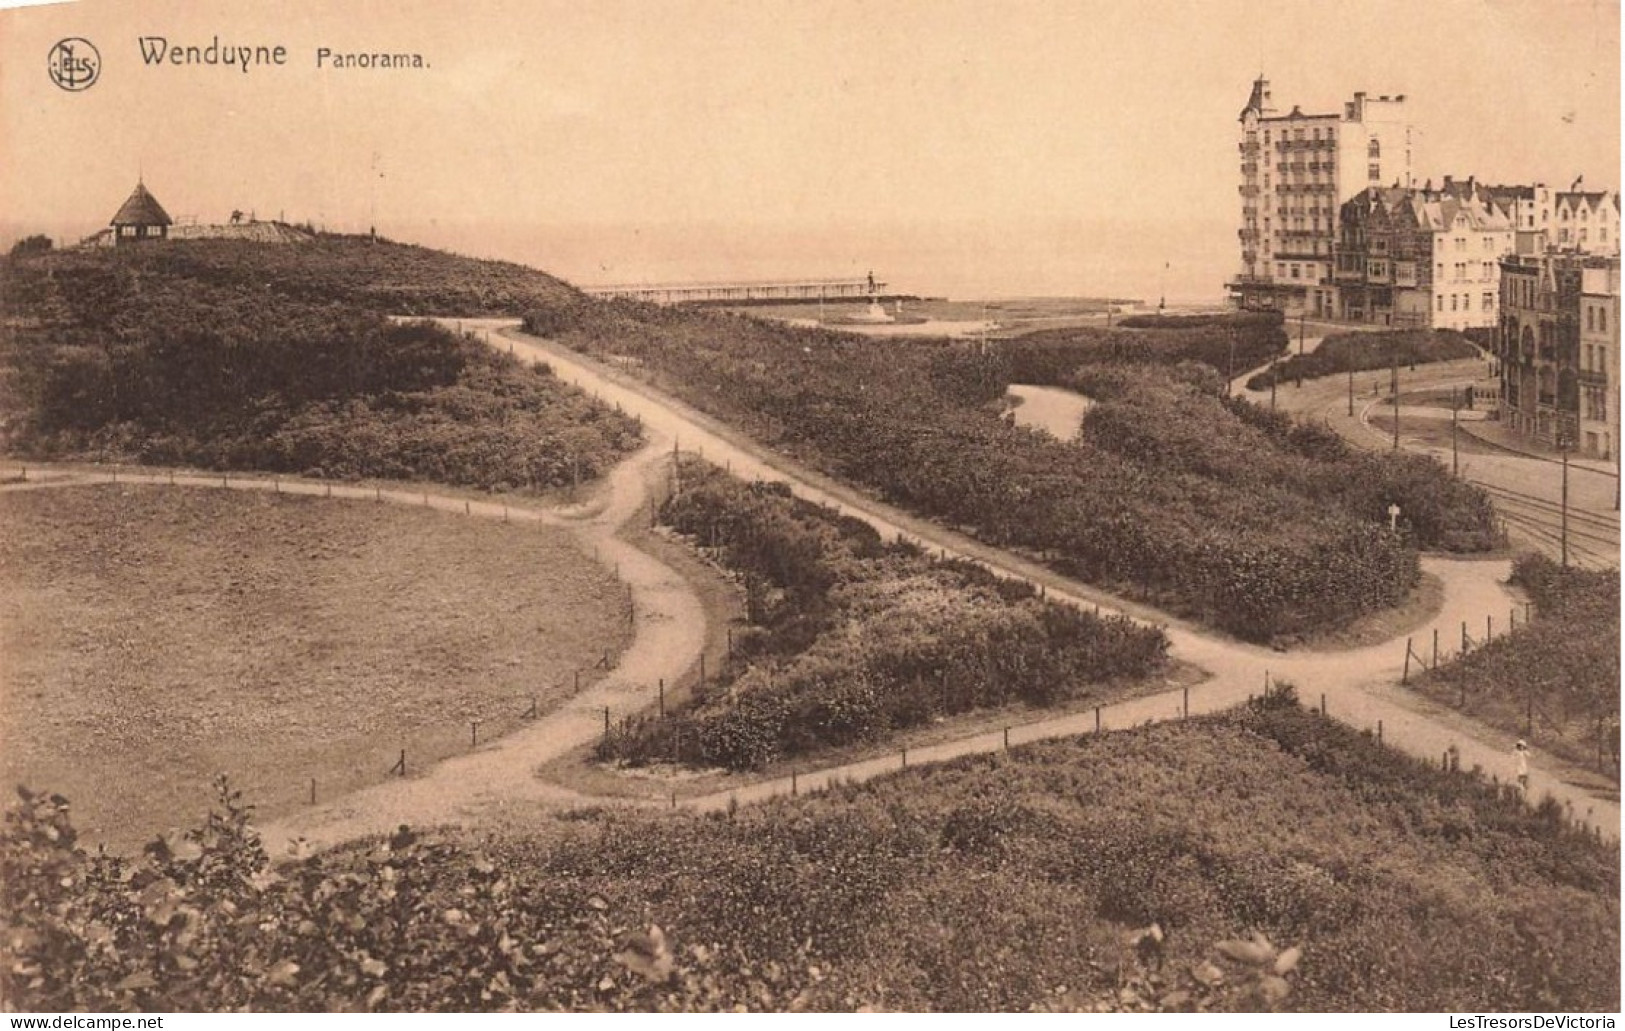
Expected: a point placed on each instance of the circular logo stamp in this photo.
(74, 64)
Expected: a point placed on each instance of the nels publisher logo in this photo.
(74, 64)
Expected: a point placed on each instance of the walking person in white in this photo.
(1520, 753)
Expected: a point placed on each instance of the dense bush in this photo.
(164, 358)
(999, 882)
(1262, 559)
(1227, 343)
(1358, 352)
(1560, 671)
(854, 638)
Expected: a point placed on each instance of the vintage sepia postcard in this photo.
(828, 506)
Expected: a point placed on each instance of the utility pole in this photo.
(1393, 393)
(1562, 446)
(1455, 459)
(1351, 393)
(1300, 333)
(1272, 388)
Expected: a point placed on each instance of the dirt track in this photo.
(1358, 686)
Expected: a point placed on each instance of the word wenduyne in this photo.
(157, 50)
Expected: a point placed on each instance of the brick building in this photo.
(1421, 257)
(1558, 342)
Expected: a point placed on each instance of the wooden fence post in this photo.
(606, 722)
(474, 734)
(1435, 648)
(905, 757)
(1097, 719)
(1379, 732)
(1405, 677)
(1007, 739)
(313, 791)
(793, 786)
(662, 697)
(1185, 705)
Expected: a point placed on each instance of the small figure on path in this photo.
(1520, 755)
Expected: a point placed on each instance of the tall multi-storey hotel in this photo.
(1297, 170)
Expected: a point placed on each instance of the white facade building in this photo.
(1297, 170)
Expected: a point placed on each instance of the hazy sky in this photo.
(959, 148)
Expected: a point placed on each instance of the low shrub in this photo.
(854, 639)
(1262, 858)
(1360, 352)
(1555, 678)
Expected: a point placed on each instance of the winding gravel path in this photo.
(1356, 686)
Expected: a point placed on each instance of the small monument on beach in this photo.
(874, 314)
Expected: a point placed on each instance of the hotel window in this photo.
(1453, 302)
(1440, 299)
(1602, 320)
(1294, 271)
(1374, 150)
(1591, 323)
(1582, 235)
(1489, 301)
(1373, 172)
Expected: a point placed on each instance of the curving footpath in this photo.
(669, 630)
(1357, 685)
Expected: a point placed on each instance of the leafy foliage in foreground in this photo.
(1360, 352)
(161, 356)
(1562, 667)
(853, 638)
(1283, 862)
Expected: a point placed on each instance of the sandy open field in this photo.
(153, 637)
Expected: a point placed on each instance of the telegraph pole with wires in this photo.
(1393, 393)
